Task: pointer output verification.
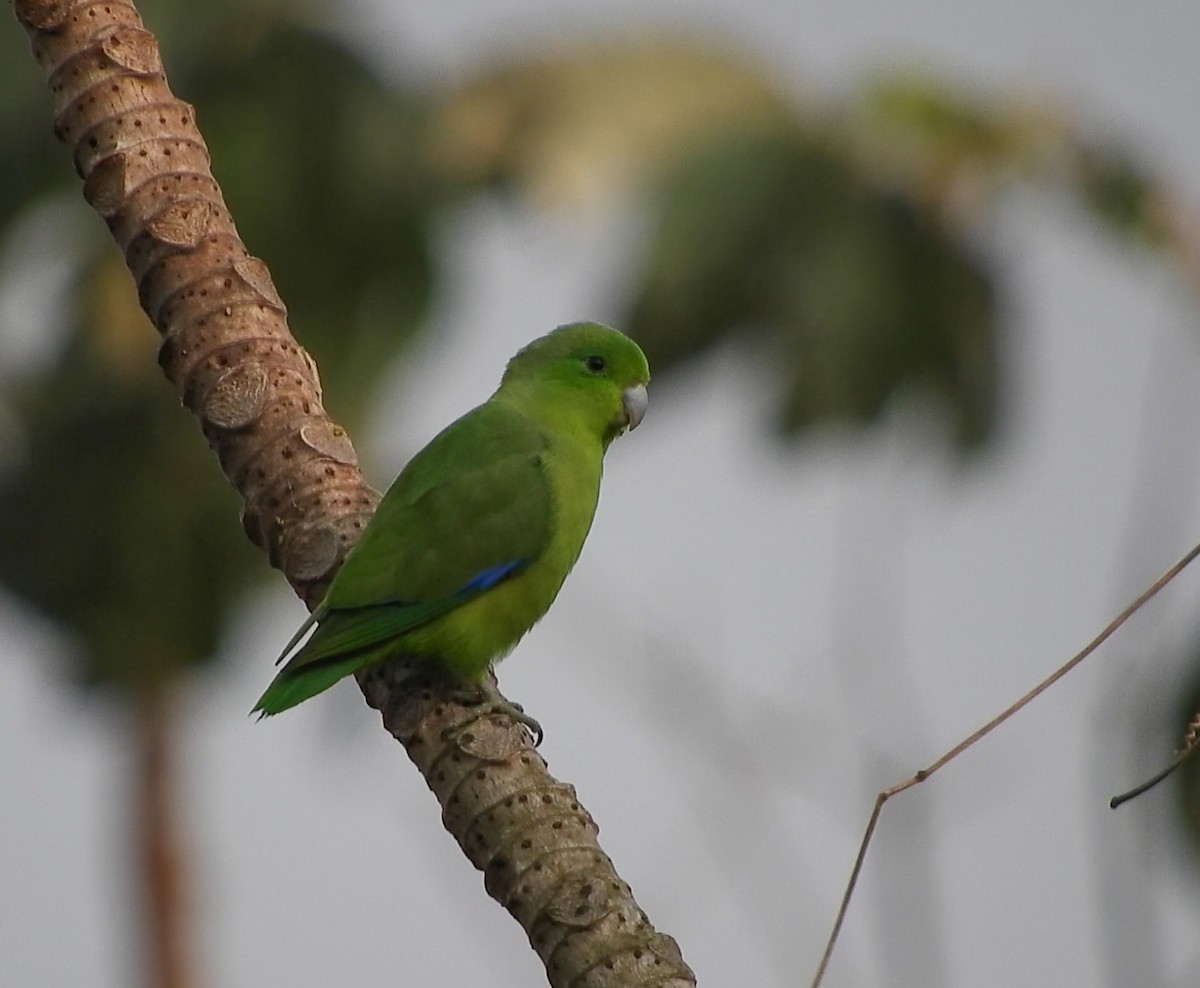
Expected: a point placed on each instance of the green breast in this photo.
(484, 630)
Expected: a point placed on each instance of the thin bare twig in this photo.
(987, 728)
(1191, 744)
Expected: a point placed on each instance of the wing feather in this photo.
(469, 512)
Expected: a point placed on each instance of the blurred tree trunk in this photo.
(159, 841)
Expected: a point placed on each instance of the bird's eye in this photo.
(595, 364)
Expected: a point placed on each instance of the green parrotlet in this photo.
(470, 545)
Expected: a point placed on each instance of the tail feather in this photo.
(294, 685)
(313, 618)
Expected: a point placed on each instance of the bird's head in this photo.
(581, 375)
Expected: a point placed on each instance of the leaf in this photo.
(852, 295)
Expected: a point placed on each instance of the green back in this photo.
(475, 498)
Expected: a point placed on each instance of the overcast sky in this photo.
(754, 642)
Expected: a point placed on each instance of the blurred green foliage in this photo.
(853, 292)
(115, 520)
(838, 243)
(319, 161)
(835, 242)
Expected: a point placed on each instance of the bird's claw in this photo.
(486, 695)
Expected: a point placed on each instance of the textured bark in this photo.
(226, 345)
(228, 351)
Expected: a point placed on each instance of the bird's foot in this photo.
(486, 695)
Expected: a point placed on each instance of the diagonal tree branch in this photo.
(229, 353)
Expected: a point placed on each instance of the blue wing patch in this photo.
(342, 631)
(492, 576)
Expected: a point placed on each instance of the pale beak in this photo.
(635, 401)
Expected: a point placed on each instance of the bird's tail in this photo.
(296, 684)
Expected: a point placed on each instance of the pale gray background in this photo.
(753, 644)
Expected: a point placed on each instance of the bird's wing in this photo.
(472, 509)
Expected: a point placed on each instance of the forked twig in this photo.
(987, 728)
